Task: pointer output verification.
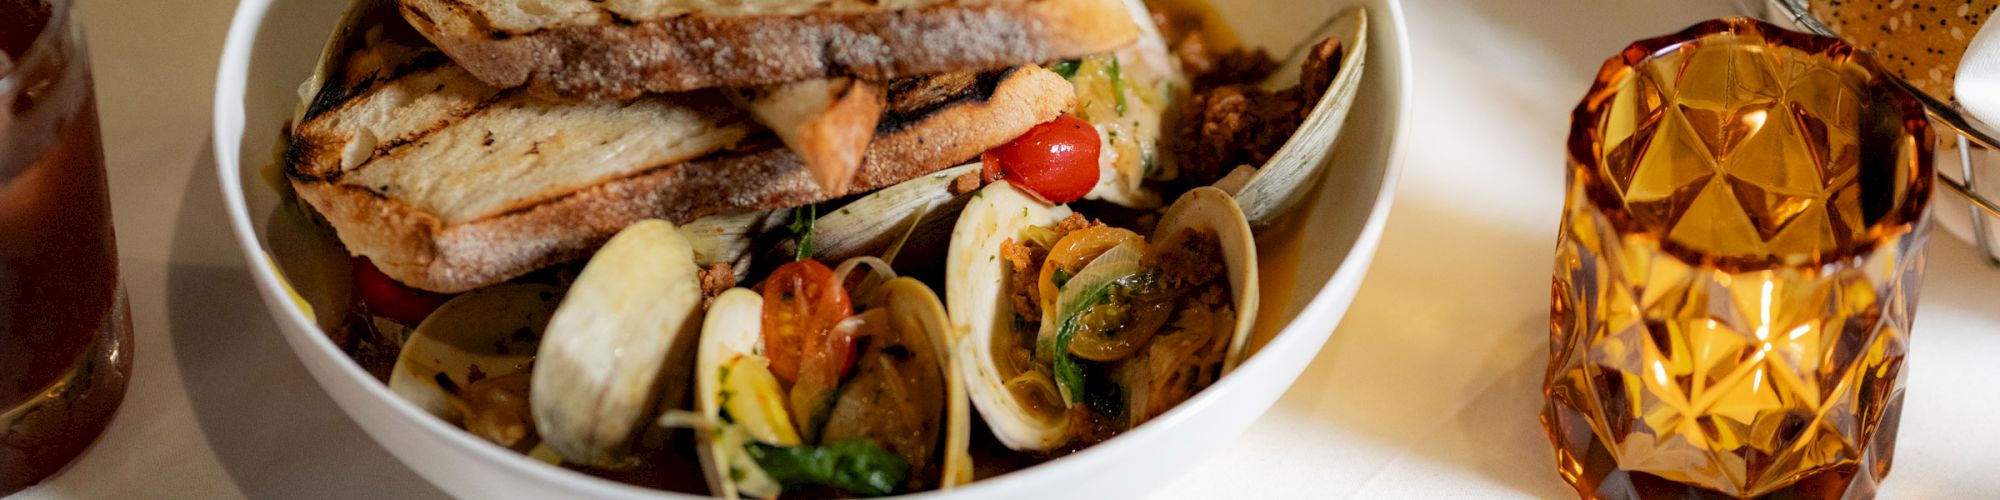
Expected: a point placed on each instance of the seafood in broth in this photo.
(894, 421)
(1076, 331)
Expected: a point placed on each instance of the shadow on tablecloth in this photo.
(274, 430)
(1441, 357)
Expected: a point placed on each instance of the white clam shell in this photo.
(494, 330)
(913, 306)
(978, 292)
(729, 238)
(873, 223)
(867, 226)
(732, 329)
(619, 345)
(1284, 181)
(1210, 210)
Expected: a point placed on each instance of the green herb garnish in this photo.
(1068, 371)
(1060, 277)
(857, 466)
(802, 230)
(725, 395)
(1066, 68)
(1118, 84)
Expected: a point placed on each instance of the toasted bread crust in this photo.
(422, 251)
(828, 122)
(623, 59)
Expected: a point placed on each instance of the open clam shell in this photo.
(490, 332)
(868, 226)
(981, 286)
(979, 296)
(1278, 186)
(873, 223)
(620, 344)
(1208, 210)
(731, 379)
(733, 331)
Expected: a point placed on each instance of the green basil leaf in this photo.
(1069, 371)
(857, 466)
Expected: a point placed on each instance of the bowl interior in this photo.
(1310, 266)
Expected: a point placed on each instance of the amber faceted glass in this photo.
(1737, 268)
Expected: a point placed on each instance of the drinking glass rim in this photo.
(39, 48)
(1581, 146)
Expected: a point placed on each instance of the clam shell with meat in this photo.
(901, 394)
(1160, 333)
(1269, 192)
(473, 350)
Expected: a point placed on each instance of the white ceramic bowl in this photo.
(1312, 270)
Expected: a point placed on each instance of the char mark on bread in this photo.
(915, 98)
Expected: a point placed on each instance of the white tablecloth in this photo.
(1429, 389)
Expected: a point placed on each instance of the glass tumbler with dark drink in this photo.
(65, 334)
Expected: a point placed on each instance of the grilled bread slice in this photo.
(622, 48)
(449, 184)
(827, 121)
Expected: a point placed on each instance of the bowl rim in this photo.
(227, 133)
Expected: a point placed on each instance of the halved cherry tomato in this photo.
(1055, 160)
(389, 299)
(802, 303)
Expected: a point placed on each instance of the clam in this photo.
(978, 292)
(729, 238)
(918, 210)
(874, 223)
(902, 396)
(618, 346)
(1280, 184)
(1211, 211)
(485, 334)
(1161, 317)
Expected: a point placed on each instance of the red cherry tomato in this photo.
(802, 303)
(1056, 160)
(389, 299)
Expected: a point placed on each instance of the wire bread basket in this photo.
(1975, 148)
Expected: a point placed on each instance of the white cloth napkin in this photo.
(1978, 85)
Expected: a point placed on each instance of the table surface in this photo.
(1430, 388)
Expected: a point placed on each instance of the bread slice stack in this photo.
(462, 143)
